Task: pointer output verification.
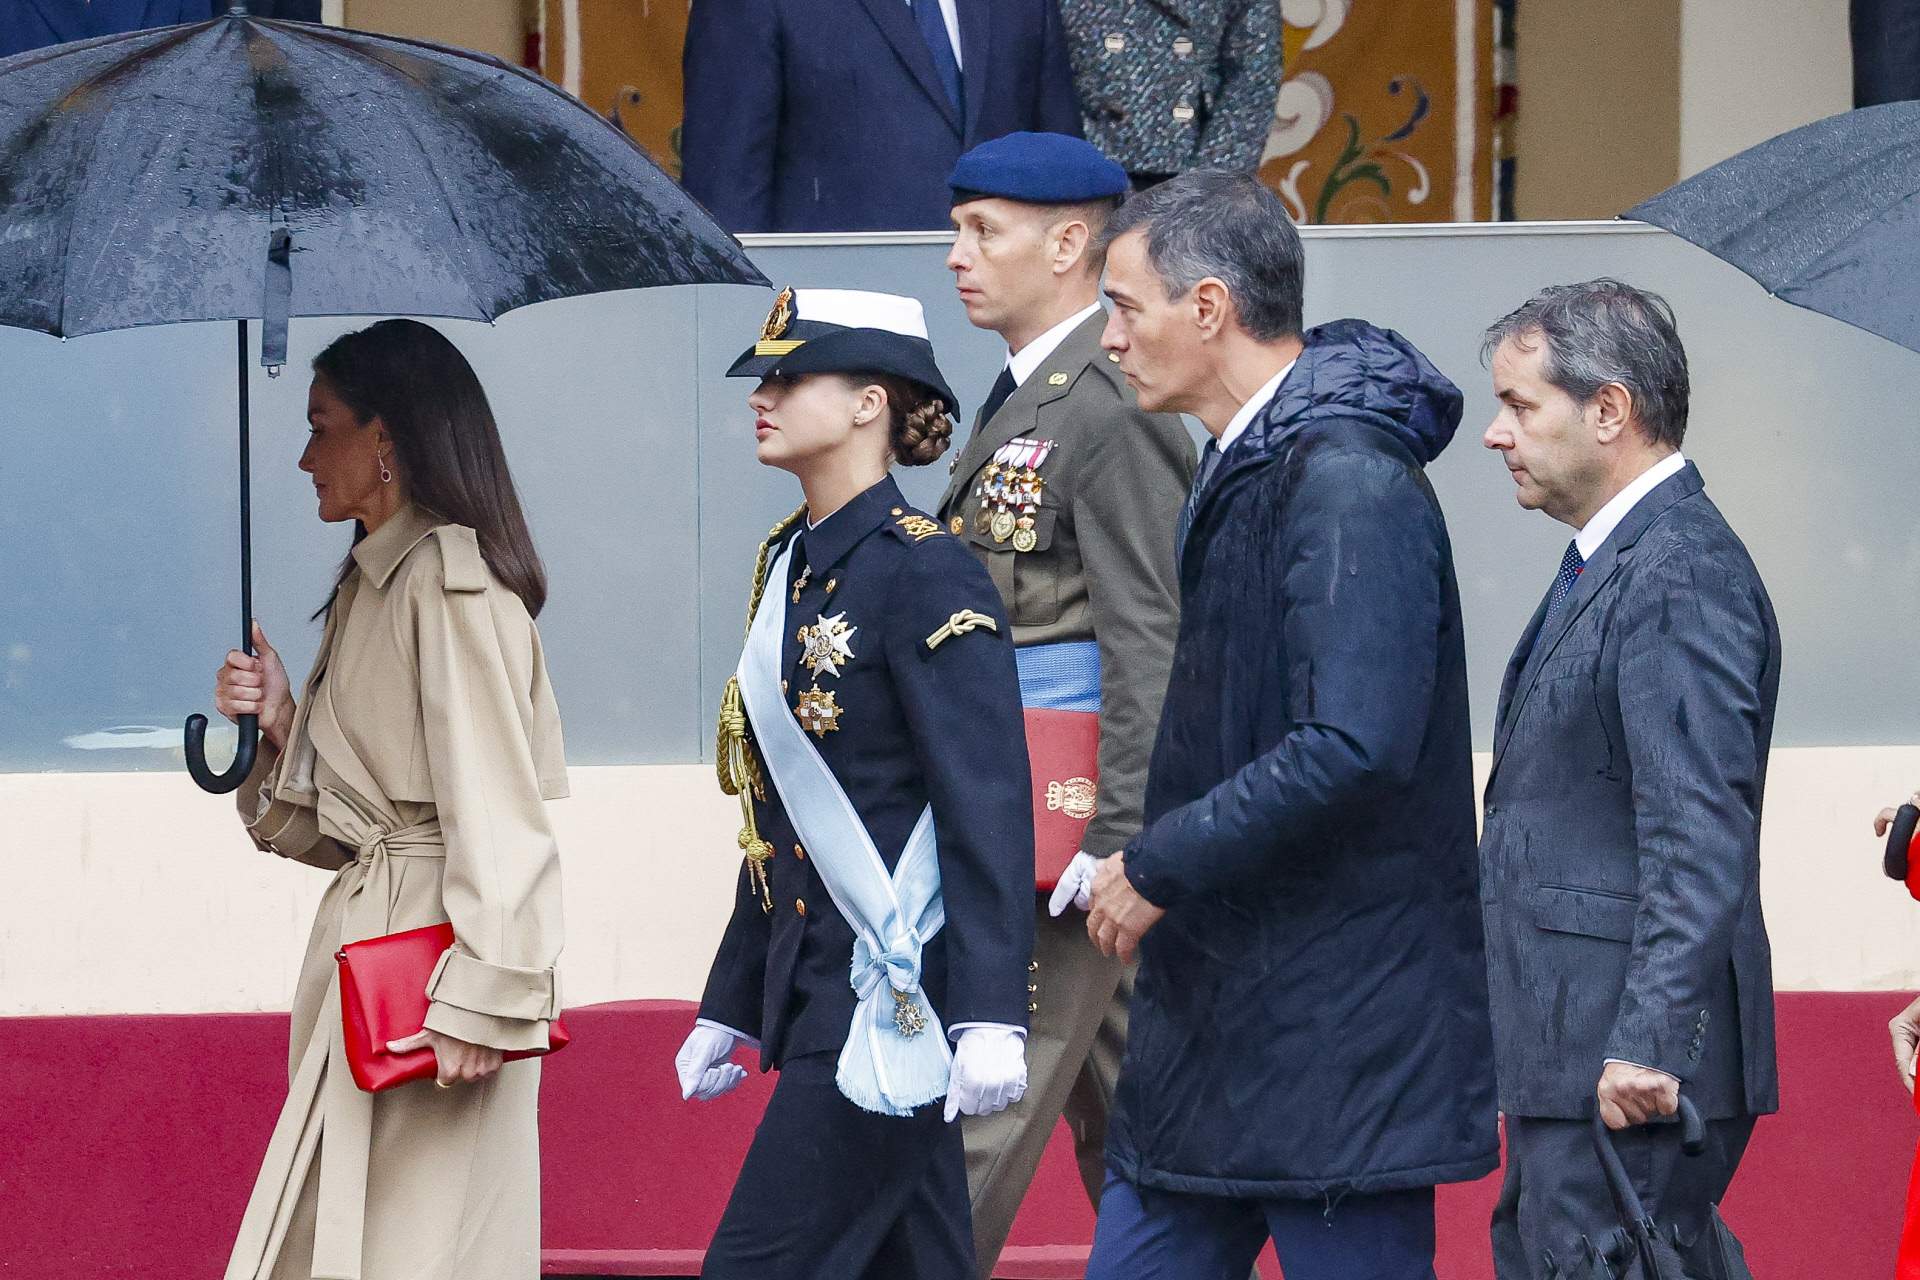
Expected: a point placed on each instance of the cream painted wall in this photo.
(135, 893)
(492, 26)
(1750, 69)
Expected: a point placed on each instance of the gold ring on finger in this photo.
(442, 1084)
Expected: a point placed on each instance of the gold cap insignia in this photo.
(779, 320)
(1075, 796)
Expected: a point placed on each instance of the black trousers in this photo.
(831, 1192)
(1555, 1193)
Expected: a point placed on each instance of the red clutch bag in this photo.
(383, 996)
(1063, 748)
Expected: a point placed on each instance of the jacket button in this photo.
(1033, 966)
(1183, 48)
(1115, 44)
(800, 907)
(799, 853)
(1183, 113)
(1032, 1007)
(1492, 809)
(1033, 988)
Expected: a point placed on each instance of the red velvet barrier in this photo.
(124, 1153)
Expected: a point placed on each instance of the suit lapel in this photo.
(976, 56)
(1017, 416)
(1593, 579)
(895, 20)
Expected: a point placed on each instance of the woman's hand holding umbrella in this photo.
(256, 685)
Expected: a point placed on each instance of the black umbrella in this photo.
(1641, 1249)
(1824, 216)
(245, 169)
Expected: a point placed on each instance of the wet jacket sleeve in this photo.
(501, 886)
(1243, 109)
(731, 67)
(960, 695)
(1125, 507)
(1694, 653)
(1357, 593)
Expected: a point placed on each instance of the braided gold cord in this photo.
(733, 758)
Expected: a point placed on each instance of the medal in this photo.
(829, 644)
(818, 713)
(1025, 540)
(908, 1019)
(1002, 525)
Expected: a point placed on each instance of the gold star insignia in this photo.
(818, 713)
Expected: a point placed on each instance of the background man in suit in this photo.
(1090, 590)
(1168, 87)
(1621, 852)
(848, 115)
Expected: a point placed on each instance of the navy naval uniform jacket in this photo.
(919, 724)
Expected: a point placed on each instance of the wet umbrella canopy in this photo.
(1825, 217)
(244, 169)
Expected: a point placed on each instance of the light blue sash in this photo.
(882, 1068)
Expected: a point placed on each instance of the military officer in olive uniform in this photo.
(1171, 85)
(1069, 494)
(882, 926)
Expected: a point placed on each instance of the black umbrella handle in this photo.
(1899, 838)
(1693, 1141)
(221, 783)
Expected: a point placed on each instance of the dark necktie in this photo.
(1003, 386)
(1209, 463)
(1570, 566)
(933, 29)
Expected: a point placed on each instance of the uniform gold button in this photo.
(1032, 1007)
(800, 908)
(1115, 44)
(1033, 966)
(1183, 48)
(896, 511)
(1033, 988)
(1183, 113)
(831, 584)
(799, 853)
(957, 525)
(1057, 380)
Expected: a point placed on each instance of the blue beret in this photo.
(1038, 168)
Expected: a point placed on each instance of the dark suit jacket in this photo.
(827, 115)
(1620, 860)
(1102, 568)
(918, 726)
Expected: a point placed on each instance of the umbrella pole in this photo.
(244, 748)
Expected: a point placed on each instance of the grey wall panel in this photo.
(634, 455)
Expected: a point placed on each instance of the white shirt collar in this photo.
(1035, 353)
(1608, 518)
(1251, 409)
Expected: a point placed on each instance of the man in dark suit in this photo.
(1620, 858)
(848, 115)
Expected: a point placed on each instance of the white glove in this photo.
(702, 1063)
(1076, 884)
(989, 1071)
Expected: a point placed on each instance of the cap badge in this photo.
(779, 320)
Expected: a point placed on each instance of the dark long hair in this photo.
(416, 382)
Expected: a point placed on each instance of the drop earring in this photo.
(386, 476)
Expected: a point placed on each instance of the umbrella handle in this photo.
(221, 783)
(1693, 1141)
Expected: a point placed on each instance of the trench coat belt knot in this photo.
(323, 1095)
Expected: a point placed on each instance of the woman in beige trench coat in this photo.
(414, 766)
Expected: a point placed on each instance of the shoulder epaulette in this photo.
(463, 567)
(920, 528)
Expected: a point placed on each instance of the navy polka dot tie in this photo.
(1570, 566)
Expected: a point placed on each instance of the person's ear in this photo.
(1210, 306)
(1612, 412)
(1070, 243)
(871, 405)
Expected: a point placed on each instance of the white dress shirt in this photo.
(1029, 358)
(1608, 518)
(1237, 427)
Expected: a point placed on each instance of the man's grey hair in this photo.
(1214, 222)
(1604, 331)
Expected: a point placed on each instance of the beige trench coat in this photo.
(423, 748)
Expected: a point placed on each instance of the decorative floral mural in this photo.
(1386, 111)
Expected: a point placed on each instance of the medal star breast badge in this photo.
(817, 712)
(908, 1018)
(829, 644)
